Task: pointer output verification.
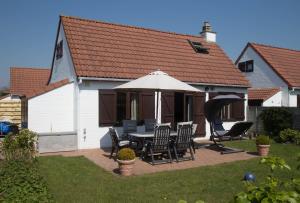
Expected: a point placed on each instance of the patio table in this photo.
(148, 134)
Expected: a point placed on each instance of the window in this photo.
(121, 106)
(134, 106)
(198, 47)
(59, 50)
(246, 66)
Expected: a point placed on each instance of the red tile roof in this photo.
(107, 50)
(48, 88)
(25, 80)
(261, 93)
(285, 62)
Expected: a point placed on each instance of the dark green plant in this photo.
(20, 146)
(126, 154)
(20, 181)
(276, 120)
(290, 135)
(273, 189)
(262, 140)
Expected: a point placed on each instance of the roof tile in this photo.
(261, 93)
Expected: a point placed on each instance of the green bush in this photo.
(272, 189)
(262, 140)
(290, 135)
(276, 120)
(20, 181)
(20, 146)
(126, 154)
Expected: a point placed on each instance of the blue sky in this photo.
(28, 28)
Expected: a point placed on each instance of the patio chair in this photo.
(160, 144)
(150, 124)
(193, 137)
(129, 126)
(117, 143)
(183, 141)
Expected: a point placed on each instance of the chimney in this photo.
(207, 33)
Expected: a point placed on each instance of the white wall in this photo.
(90, 135)
(263, 75)
(9, 98)
(63, 68)
(52, 111)
(275, 100)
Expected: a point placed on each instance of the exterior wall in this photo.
(275, 100)
(263, 75)
(90, 135)
(63, 68)
(10, 98)
(52, 111)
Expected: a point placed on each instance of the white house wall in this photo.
(53, 111)
(263, 76)
(63, 68)
(274, 101)
(90, 135)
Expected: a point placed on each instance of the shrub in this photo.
(273, 189)
(126, 154)
(290, 135)
(262, 140)
(20, 146)
(20, 181)
(276, 120)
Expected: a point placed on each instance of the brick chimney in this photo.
(207, 33)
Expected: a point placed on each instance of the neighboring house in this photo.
(92, 57)
(274, 74)
(23, 81)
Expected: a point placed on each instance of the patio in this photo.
(203, 157)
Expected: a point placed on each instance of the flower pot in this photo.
(126, 167)
(263, 150)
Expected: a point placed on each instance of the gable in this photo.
(62, 64)
(106, 50)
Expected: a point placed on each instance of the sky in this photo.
(28, 27)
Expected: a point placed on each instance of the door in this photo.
(167, 108)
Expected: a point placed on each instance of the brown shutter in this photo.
(198, 113)
(167, 108)
(146, 105)
(237, 109)
(107, 107)
(298, 101)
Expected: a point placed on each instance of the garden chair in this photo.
(117, 143)
(150, 124)
(183, 141)
(160, 144)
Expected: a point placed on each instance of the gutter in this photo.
(127, 80)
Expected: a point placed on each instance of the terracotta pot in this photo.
(263, 150)
(126, 167)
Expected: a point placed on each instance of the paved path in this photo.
(203, 157)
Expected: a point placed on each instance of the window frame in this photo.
(244, 66)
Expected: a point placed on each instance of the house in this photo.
(274, 74)
(23, 80)
(92, 57)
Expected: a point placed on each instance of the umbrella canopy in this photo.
(213, 106)
(157, 81)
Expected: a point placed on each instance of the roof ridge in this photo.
(32, 68)
(131, 26)
(271, 46)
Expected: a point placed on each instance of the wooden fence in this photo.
(254, 112)
(11, 110)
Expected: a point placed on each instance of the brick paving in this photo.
(203, 157)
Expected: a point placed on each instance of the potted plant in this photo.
(263, 145)
(126, 159)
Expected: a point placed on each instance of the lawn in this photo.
(76, 179)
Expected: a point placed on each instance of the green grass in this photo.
(76, 179)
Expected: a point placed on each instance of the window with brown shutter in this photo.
(298, 101)
(146, 105)
(167, 108)
(107, 107)
(198, 113)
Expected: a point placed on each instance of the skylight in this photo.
(198, 47)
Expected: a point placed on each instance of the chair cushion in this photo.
(124, 142)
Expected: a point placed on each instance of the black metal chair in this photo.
(149, 125)
(183, 141)
(160, 144)
(117, 143)
(195, 126)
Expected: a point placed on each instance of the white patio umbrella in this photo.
(157, 81)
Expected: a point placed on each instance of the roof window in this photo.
(198, 47)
